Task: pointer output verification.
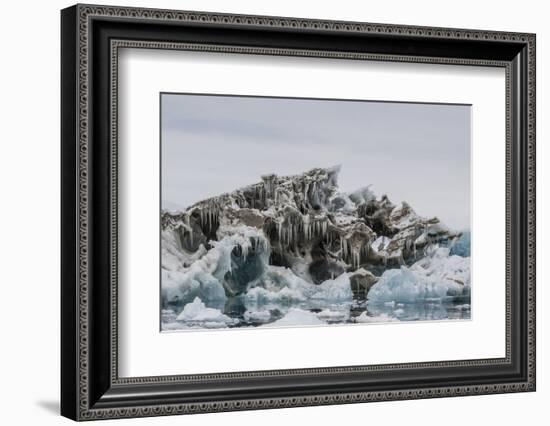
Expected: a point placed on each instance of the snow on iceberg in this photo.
(432, 278)
(380, 244)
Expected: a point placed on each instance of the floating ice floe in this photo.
(365, 318)
(333, 315)
(463, 307)
(197, 314)
(284, 296)
(296, 316)
(257, 316)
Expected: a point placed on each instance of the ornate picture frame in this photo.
(91, 37)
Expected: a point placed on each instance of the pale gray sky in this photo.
(419, 153)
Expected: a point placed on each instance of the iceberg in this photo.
(296, 250)
(227, 267)
(433, 278)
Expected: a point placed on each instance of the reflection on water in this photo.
(238, 312)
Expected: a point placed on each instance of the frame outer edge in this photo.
(531, 214)
(83, 12)
(69, 221)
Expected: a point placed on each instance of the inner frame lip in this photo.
(116, 44)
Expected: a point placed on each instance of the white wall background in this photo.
(29, 214)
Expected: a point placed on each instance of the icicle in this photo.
(344, 249)
(290, 233)
(287, 234)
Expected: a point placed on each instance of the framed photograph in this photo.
(263, 212)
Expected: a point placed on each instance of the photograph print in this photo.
(280, 212)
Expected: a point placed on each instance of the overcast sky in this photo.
(419, 153)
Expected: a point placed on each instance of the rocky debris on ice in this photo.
(361, 281)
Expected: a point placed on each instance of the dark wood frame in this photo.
(91, 37)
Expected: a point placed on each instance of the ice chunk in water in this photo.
(333, 315)
(364, 318)
(296, 316)
(285, 295)
(197, 313)
(257, 316)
